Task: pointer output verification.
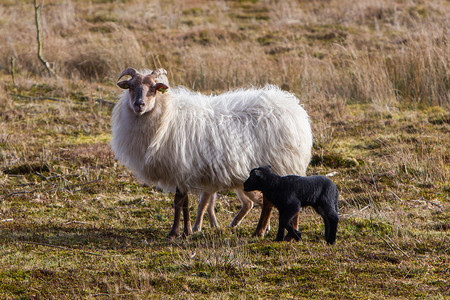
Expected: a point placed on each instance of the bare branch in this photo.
(39, 45)
(13, 71)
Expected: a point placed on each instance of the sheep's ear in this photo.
(123, 84)
(161, 87)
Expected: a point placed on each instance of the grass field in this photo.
(373, 75)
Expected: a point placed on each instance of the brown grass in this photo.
(380, 53)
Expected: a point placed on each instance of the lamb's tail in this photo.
(337, 201)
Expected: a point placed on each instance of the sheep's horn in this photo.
(128, 71)
(159, 72)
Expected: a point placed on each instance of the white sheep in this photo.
(184, 141)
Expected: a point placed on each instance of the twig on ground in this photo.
(387, 243)
(364, 208)
(404, 253)
(428, 201)
(38, 98)
(45, 178)
(20, 192)
(106, 102)
(101, 101)
(70, 188)
(397, 197)
(74, 222)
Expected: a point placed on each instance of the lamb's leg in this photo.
(179, 202)
(294, 233)
(247, 205)
(294, 221)
(286, 222)
(333, 218)
(330, 219)
(280, 234)
(264, 219)
(294, 224)
(211, 212)
(331, 223)
(204, 203)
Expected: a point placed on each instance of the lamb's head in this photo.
(258, 179)
(143, 89)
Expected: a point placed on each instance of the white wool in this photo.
(210, 143)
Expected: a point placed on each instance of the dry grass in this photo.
(374, 77)
(381, 52)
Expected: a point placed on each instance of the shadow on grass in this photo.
(80, 237)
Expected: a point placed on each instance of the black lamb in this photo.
(289, 193)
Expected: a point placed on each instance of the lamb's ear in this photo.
(161, 87)
(258, 173)
(123, 84)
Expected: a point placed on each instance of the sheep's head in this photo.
(143, 89)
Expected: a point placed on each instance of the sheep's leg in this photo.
(204, 203)
(264, 219)
(247, 205)
(211, 212)
(179, 202)
(187, 220)
(256, 197)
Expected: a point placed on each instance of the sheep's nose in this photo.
(139, 105)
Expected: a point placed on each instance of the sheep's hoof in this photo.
(258, 234)
(233, 224)
(185, 235)
(173, 235)
(170, 238)
(215, 225)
